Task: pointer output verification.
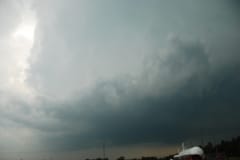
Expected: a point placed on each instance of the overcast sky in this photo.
(141, 76)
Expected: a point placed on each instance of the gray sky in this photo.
(140, 76)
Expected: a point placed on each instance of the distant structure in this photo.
(194, 153)
(103, 149)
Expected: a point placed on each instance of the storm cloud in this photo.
(118, 72)
(168, 103)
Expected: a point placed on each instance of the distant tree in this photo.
(208, 148)
(149, 158)
(121, 158)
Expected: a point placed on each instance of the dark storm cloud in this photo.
(104, 72)
(201, 102)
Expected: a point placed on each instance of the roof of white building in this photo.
(191, 151)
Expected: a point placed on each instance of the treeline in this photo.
(143, 158)
(230, 148)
